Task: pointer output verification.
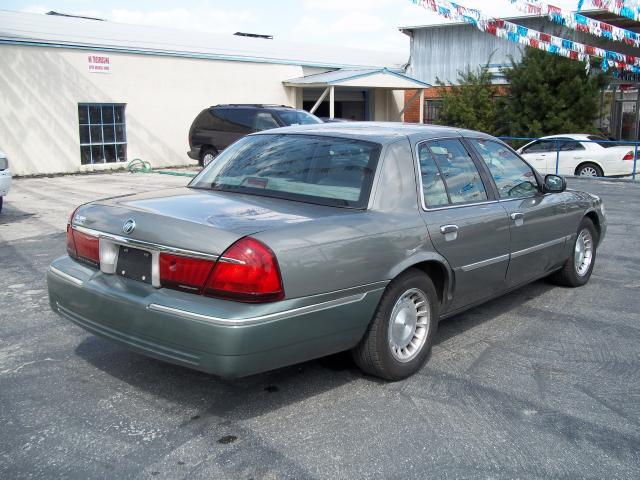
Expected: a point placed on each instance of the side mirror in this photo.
(554, 184)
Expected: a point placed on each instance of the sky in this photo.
(369, 24)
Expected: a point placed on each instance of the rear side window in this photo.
(602, 141)
(315, 169)
(449, 175)
(236, 119)
(513, 177)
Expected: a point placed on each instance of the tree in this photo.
(471, 103)
(549, 94)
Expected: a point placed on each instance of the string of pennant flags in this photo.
(624, 9)
(577, 21)
(526, 36)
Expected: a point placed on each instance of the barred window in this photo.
(103, 136)
(432, 110)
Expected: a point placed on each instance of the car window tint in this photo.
(236, 119)
(325, 170)
(460, 174)
(602, 141)
(433, 189)
(265, 121)
(570, 146)
(297, 117)
(513, 177)
(541, 146)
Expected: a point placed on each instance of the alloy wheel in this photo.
(409, 325)
(583, 252)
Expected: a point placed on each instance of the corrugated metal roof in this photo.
(58, 31)
(337, 76)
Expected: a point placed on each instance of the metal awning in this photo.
(361, 78)
(380, 78)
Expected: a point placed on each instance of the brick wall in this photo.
(412, 111)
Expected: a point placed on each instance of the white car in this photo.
(5, 177)
(580, 154)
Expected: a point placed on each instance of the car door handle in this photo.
(578, 158)
(518, 218)
(450, 232)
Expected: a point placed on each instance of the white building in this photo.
(137, 89)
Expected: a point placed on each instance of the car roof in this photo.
(381, 132)
(251, 105)
(573, 136)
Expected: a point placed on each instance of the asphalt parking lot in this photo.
(542, 383)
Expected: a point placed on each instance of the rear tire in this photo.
(1, 198)
(577, 270)
(208, 155)
(400, 335)
(589, 170)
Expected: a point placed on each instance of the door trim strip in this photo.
(541, 246)
(485, 263)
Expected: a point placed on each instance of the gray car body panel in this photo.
(325, 254)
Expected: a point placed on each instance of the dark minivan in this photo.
(215, 128)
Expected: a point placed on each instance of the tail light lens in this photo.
(87, 247)
(71, 244)
(628, 156)
(251, 274)
(184, 273)
(82, 246)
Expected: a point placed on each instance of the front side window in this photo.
(541, 146)
(103, 136)
(448, 169)
(308, 168)
(513, 177)
(265, 121)
(297, 117)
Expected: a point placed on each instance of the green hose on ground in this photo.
(137, 165)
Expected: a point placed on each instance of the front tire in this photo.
(208, 156)
(589, 170)
(400, 335)
(576, 272)
(1, 204)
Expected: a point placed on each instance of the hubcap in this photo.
(409, 325)
(207, 159)
(588, 172)
(583, 253)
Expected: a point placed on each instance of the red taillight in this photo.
(87, 247)
(71, 244)
(80, 245)
(249, 273)
(628, 156)
(184, 273)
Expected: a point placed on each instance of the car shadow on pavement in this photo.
(255, 395)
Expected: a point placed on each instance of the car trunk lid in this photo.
(194, 219)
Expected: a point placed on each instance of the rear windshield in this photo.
(602, 141)
(297, 117)
(308, 168)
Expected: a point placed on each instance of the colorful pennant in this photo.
(578, 22)
(619, 7)
(529, 37)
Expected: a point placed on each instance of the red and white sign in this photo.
(99, 63)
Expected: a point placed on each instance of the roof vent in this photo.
(254, 35)
(59, 14)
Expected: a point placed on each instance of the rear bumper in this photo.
(225, 338)
(194, 153)
(5, 182)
